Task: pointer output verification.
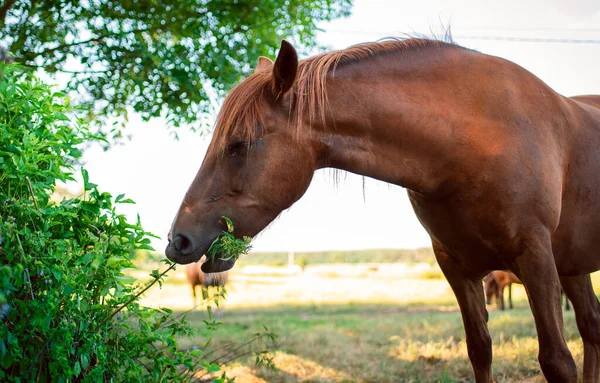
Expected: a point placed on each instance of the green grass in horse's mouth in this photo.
(228, 245)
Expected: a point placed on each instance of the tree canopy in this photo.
(159, 58)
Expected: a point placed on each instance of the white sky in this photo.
(155, 170)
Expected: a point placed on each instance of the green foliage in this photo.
(227, 245)
(303, 262)
(68, 311)
(156, 57)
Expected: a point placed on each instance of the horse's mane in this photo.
(241, 115)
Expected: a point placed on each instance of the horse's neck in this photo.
(391, 124)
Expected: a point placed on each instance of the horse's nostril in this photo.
(183, 243)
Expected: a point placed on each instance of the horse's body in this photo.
(503, 172)
(196, 277)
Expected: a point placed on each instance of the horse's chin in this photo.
(217, 265)
(182, 259)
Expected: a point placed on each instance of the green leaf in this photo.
(61, 117)
(85, 361)
(155, 274)
(76, 369)
(125, 279)
(229, 224)
(114, 261)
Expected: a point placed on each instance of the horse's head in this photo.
(490, 288)
(256, 166)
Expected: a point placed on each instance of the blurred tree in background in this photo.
(160, 58)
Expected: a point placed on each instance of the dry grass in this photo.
(367, 324)
(378, 343)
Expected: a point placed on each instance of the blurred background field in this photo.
(356, 321)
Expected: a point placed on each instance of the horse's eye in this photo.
(238, 148)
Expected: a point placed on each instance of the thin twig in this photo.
(142, 363)
(29, 282)
(186, 371)
(238, 356)
(203, 356)
(106, 35)
(254, 339)
(4, 10)
(32, 195)
(99, 233)
(21, 246)
(176, 318)
(232, 359)
(37, 379)
(44, 347)
(136, 295)
(226, 345)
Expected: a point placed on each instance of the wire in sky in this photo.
(528, 39)
(520, 39)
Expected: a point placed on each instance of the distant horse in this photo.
(502, 171)
(196, 277)
(494, 285)
(497, 280)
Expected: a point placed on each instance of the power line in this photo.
(531, 29)
(529, 39)
(520, 39)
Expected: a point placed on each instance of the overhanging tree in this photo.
(158, 58)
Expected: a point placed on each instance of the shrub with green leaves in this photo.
(68, 312)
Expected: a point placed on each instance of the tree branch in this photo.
(92, 40)
(4, 10)
(104, 36)
(61, 47)
(69, 71)
(20, 41)
(83, 71)
(107, 35)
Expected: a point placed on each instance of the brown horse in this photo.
(503, 172)
(196, 277)
(494, 285)
(495, 282)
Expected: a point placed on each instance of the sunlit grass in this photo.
(383, 343)
(373, 327)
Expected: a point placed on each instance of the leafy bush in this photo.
(302, 262)
(68, 311)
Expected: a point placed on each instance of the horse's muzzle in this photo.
(184, 249)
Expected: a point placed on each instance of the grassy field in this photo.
(407, 256)
(361, 323)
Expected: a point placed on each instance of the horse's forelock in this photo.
(240, 113)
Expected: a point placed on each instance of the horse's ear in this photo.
(285, 69)
(263, 64)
